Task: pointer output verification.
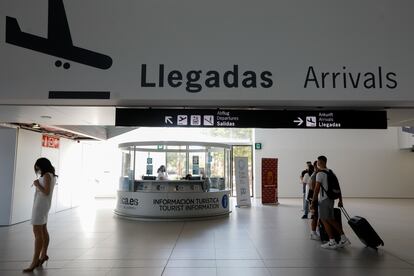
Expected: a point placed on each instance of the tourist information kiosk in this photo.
(195, 185)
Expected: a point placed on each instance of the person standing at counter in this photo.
(162, 173)
(41, 206)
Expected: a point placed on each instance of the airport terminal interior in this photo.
(89, 236)
(179, 132)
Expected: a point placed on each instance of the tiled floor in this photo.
(261, 240)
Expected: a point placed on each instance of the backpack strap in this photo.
(323, 189)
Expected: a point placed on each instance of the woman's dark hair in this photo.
(45, 166)
(161, 169)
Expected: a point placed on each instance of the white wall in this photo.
(67, 161)
(104, 168)
(368, 163)
(28, 151)
(8, 142)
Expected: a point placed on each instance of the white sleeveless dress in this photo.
(42, 202)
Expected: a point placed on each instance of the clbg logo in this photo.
(59, 40)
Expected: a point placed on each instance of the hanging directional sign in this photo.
(231, 118)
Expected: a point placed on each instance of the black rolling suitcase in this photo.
(324, 236)
(364, 230)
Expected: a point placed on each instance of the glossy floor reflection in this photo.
(261, 240)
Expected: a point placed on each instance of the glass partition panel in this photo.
(211, 162)
(197, 161)
(176, 165)
(176, 148)
(152, 147)
(127, 174)
(147, 163)
(196, 148)
(144, 165)
(216, 161)
(216, 168)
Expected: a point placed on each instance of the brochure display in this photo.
(196, 185)
(242, 181)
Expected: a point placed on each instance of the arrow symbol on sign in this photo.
(168, 120)
(299, 121)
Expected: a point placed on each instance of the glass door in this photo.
(242, 151)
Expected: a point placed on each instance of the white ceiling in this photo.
(400, 117)
(58, 115)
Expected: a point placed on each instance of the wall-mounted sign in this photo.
(50, 141)
(258, 146)
(311, 119)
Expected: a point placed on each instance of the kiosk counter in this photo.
(204, 195)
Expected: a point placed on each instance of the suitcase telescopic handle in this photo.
(345, 213)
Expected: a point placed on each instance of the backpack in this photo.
(334, 191)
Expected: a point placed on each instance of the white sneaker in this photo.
(344, 243)
(315, 237)
(330, 245)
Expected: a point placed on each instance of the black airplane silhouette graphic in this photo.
(59, 40)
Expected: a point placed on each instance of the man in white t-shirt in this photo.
(326, 207)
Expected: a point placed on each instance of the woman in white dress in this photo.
(41, 206)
